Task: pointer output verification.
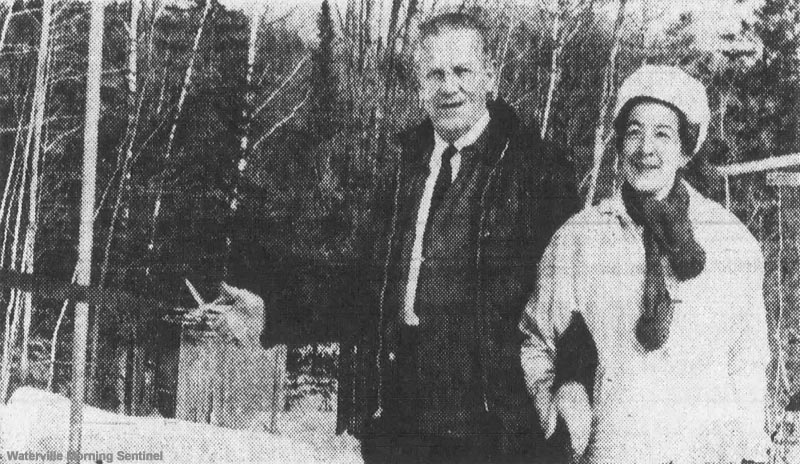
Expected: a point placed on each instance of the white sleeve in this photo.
(547, 315)
(749, 354)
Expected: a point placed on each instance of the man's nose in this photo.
(450, 83)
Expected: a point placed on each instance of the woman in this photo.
(667, 286)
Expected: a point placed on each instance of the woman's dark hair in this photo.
(687, 132)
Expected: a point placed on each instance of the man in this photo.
(427, 320)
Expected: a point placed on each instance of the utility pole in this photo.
(86, 231)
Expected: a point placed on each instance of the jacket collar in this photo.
(614, 206)
(467, 139)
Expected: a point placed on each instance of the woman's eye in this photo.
(665, 135)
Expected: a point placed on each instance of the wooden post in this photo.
(788, 299)
(224, 384)
(787, 184)
(86, 231)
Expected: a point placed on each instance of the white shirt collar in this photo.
(467, 139)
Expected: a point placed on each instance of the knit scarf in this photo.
(667, 233)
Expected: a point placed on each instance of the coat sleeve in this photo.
(546, 316)
(749, 353)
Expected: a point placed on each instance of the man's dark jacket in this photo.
(528, 192)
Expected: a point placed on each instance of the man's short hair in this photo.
(455, 21)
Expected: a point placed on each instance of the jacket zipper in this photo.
(482, 234)
(381, 304)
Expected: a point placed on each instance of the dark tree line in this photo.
(305, 136)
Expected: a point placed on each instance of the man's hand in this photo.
(572, 404)
(237, 313)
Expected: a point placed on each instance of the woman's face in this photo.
(651, 148)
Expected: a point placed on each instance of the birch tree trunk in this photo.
(187, 82)
(247, 111)
(600, 138)
(566, 23)
(644, 30)
(6, 23)
(129, 139)
(276, 356)
(37, 127)
(86, 229)
(20, 304)
(555, 72)
(10, 192)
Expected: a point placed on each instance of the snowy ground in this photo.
(306, 423)
(36, 421)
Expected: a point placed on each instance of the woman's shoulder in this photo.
(591, 222)
(720, 226)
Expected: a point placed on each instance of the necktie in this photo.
(443, 180)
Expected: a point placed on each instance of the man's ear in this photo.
(494, 78)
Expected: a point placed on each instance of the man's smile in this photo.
(451, 105)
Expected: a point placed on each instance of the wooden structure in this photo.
(752, 167)
(224, 384)
(781, 174)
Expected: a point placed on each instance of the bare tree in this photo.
(37, 129)
(650, 15)
(21, 303)
(187, 83)
(248, 110)
(600, 132)
(6, 23)
(567, 17)
(124, 167)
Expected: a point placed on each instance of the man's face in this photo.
(651, 149)
(455, 79)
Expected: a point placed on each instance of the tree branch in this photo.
(283, 121)
(281, 86)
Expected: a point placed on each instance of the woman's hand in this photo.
(571, 403)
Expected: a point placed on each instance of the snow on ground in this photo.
(38, 422)
(308, 424)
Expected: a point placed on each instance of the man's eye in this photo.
(462, 72)
(437, 74)
(633, 132)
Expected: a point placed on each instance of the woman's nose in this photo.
(648, 144)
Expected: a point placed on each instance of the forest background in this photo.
(204, 106)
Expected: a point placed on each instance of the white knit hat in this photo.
(673, 86)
